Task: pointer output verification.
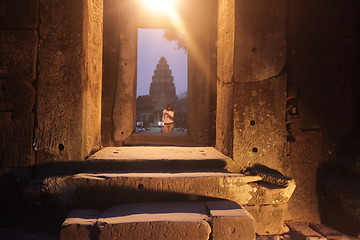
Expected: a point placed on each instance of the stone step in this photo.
(162, 220)
(161, 139)
(107, 189)
(141, 159)
(158, 158)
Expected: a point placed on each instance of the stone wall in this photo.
(262, 67)
(50, 62)
(322, 60)
(18, 60)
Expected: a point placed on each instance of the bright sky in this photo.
(151, 47)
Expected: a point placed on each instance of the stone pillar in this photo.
(124, 110)
(225, 74)
(251, 86)
(69, 82)
(110, 64)
(201, 82)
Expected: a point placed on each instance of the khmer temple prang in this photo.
(162, 91)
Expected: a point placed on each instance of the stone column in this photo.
(251, 85)
(69, 81)
(124, 110)
(201, 83)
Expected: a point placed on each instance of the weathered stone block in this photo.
(18, 53)
(270, 194)
(155, 221)
(226, 42)
(224, 119)
(303, 205)
(115, 188)
(260, 44)
(16, 96)
(230, 221)
(19, 14)
(269, 219)
(259, 123)
(16, 139)
(80, 225)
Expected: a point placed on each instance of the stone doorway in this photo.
(121, 22)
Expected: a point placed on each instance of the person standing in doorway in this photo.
(168, 119)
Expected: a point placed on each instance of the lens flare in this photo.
(160, 6)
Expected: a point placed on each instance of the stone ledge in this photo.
(116, 188)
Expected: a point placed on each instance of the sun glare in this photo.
(164, 6)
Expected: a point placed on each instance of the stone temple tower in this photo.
(162, 88)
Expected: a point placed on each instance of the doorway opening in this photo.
(162, 80)
(122, 23)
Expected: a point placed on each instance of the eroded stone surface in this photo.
(162, 220)
(230, 221)
(14, 16)
(259, 128)
(18, 53)
(79, 225)
(224, 120)
(158, 153)
(69, 81)
(15, 139)
(303, 230)
(260, 44)
(153, 221)
(115, 188)
(269, 219)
